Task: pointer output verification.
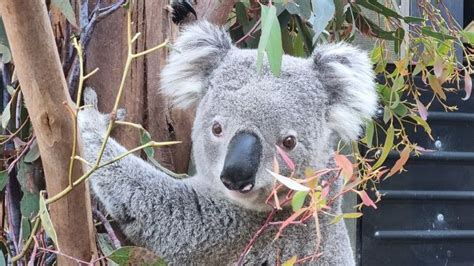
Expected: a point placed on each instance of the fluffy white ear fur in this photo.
(347, 73)
(197, 51)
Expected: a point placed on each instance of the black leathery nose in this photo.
(241, 162)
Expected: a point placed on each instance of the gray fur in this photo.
(199, 221)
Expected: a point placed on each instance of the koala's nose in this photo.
(241, 162)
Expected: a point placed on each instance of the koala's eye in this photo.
(289, 142)
(217, 129)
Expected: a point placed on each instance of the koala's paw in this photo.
(90, 97)
(89, 118)
(182, 11)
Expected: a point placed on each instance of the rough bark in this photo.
(44, 88)
(142, 99)
(216, 12)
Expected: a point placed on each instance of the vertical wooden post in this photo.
(45, 90)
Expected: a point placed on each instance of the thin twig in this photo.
(110, 231)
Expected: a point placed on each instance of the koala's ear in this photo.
(346, 72)
(198, 50)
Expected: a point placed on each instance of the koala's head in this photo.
(243, 115)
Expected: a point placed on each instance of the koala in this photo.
(242, 115)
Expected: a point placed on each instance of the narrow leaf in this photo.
(3, 179)
(369, 133)
(286, 158)
(65, 7)
(366, 199)
(347, 169)
(324, 11)
(135, 256)
(386, 147)
(404, 155)
(437, 35)
(33, 154)
(421, 109)
(6, 115)
(336, 219)
(436, 86)
(145, 138)
(422, 123)
(467, 86)
(351, 215)
(290, 183)
(46, 219)
(290, 262)
(298, 200)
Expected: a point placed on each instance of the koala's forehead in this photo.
(236, 82)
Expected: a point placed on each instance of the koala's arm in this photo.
(178, 220)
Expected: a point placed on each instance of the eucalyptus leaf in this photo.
(298, 200)
(33, 154)
(135, 256)
(387, 147)
(323, 12)
(3, 179)
(270, 41)
(6, 115)
(29, 204)
(145, 138)
(46, 219)
(65, 7)
(374, 5)
(437, 35)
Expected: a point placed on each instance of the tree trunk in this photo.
(44, 87)
(142, 98)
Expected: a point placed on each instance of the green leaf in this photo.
(374, 5)
(298, 200)
(369, 133)
(401, 110)
(336, 219)
(135, 256)
(33, 154)
(6, 54)
(386, 147)
(46, 219)
(4, 45)
(399, 36)
(298, 45)
(352, 215)
(290, 262)
(324, 11)
(386, 114)
(29, 204)
(145, 138)
(6, 115)
(270, 41)
(25, 228)
(409, 19)
(241, 14)
(376, 54)
(10, 90)
(422, 123)
(468, 36)
(104, 243)
(437, 35)
(301, 8)
(3, 179)
(65, 7)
